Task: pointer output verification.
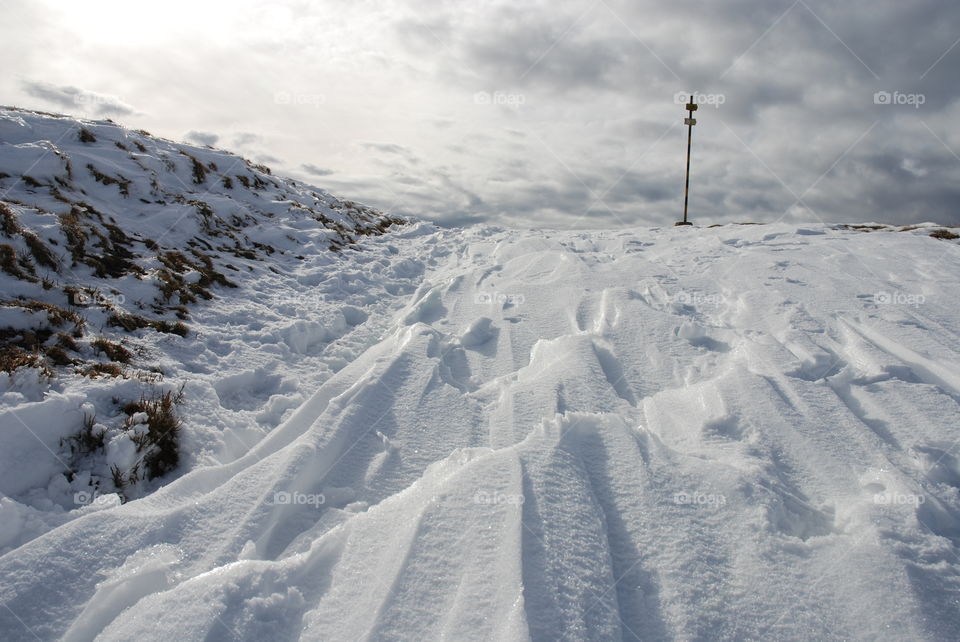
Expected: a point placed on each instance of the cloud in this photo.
(76, 98)
(203, 138)
(578, 124)
(316, 171)
(391, 155)
(387, 148)
(243, 139)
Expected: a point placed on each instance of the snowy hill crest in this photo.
(135, 225)
(109, 239)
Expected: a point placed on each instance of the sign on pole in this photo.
(689, 121)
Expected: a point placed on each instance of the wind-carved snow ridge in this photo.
(726, 433)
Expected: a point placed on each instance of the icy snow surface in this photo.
(745, 432)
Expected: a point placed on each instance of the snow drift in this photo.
(741, 432)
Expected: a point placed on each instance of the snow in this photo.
(31, 440)
(248, 360)
(737, 432)
(145, 572)
(479, 332)
(643, 434)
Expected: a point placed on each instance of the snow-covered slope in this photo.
(133, 268)
(745, 432)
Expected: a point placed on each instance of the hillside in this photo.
(734, 432)
(130, 265)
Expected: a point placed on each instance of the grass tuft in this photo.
(41, 253)
(9, 224)
(161, 441)
(114, 351)
(946, 235)
(88, 440)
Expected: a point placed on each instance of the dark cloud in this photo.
(634, 186)
(391, 156)
(203, 138)
(315, 171)
(76, 99)
(243, 139)
(387, 148)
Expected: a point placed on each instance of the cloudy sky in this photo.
(556, 113)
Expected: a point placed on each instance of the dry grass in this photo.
(9, 224)
(33, 348)
(13, 357)
(158, 446)
(177, 263)
(198, 170)
(381, 226)
(131, 322)
(58, 356)
(76, 237)
(56, 316)
(161, 441)
(114, 351)
(95, 370)
(123, 184)
(12, 265)
(67, 342)
(89, 439)
(41, 253)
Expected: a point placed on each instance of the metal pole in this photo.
(686, 187)
(691, 107)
